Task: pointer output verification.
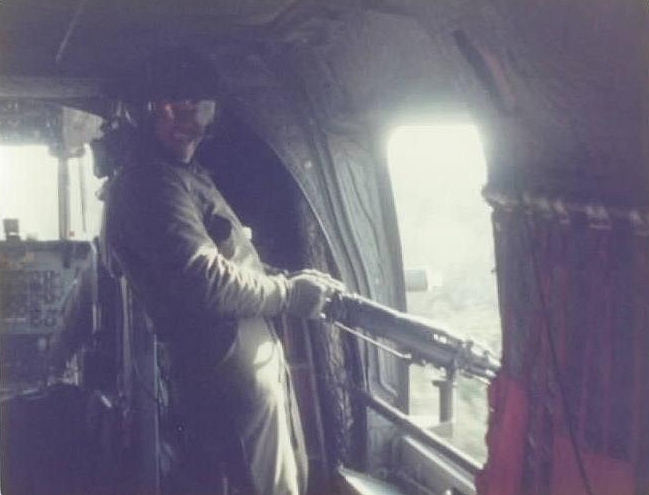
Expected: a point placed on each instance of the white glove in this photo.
(308, 293)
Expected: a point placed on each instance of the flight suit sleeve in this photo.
(157, 226)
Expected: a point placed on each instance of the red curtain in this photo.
(570, 407)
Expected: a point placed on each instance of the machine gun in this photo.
(422, 341)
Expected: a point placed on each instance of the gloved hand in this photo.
(309, 291)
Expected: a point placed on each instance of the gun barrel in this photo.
(424, 341)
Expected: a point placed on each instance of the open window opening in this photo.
(437, 173)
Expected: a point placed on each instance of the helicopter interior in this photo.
(559, 92)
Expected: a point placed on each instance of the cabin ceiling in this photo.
(560, 87)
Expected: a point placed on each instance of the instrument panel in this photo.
(38, 280)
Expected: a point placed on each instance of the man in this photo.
(190, 263)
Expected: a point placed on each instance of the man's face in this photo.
(180, 125)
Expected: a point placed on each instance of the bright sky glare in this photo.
(448, 154)
(437, 173)
(28, 190)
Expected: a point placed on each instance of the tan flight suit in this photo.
(189, 262)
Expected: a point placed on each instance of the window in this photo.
(29, 192)
(437, 173)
